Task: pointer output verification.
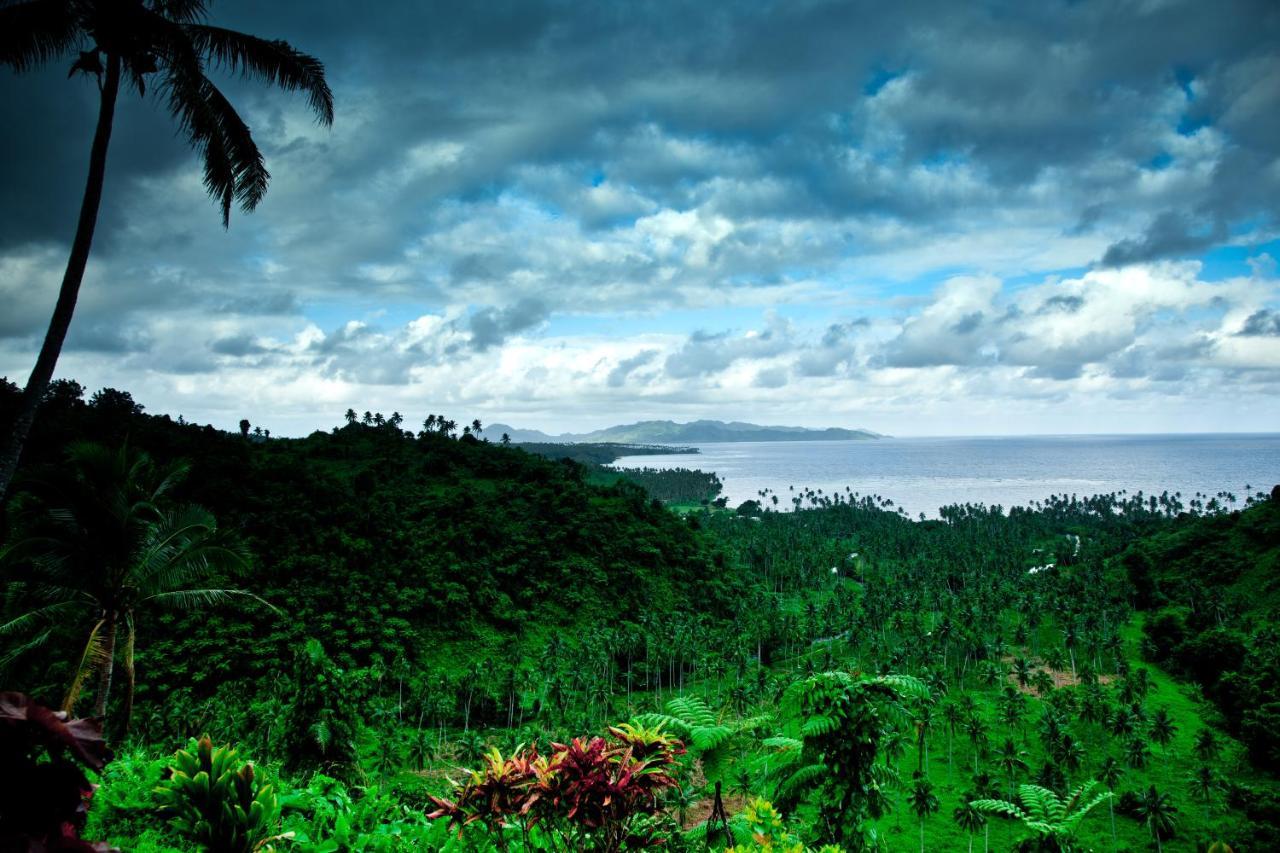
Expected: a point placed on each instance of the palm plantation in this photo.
(102, 547)
(163, 46)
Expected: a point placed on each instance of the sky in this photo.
(917, 218)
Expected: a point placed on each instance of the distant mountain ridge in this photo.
(695, 432)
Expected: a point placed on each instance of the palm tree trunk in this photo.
(38, 382)
(129, 682)
(1112, 806)
(104, 668)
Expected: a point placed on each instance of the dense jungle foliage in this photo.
(366, 612)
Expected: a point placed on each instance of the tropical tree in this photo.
(1203, 784)
(1011, 760)
(969, 819)
(923, 802)
(977, 731)
(838, 720)
(1207, 746)
(167, 44)
(1158, 813)
(1162, 728)
(1136, 752)
(1110, 774)
(99, 544)
(1047, 817)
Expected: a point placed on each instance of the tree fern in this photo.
(1044, 813)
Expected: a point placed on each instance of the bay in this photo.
(923, 474)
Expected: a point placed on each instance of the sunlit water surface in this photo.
(922, 474)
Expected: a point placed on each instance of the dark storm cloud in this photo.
(1170, 233)
(1262, 322)
(507, 161)
(618, 375)
(705, 353)
(237, 345)
(782, 90)
(491, 327)
(1062, 303)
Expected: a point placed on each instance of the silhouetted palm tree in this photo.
(923, 802)
(1158, 813)
(969, 819)
(99, 545)
(1110, 774)
(132, 40)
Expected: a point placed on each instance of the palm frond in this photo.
(693, 710)
(190, 599)
(274, 61)
(35, 32)
(248, 164)
(1001, 807)
(94, 653)
(708, 738)
(674, 725)
(182, 11)
(48, 613)
(801, 780)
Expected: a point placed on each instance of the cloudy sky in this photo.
(935, 218)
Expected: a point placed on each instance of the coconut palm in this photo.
(1110, 774)
(99, 545)
(1207, 746)
(923, 802)
(167, 45)
(1203, 784)
(952, 717)
(1162, 728)
(976, 729)
(1158, 813)
(969, 819)
(1136, 752)
(1010, 759)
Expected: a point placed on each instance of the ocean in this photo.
(923, 474)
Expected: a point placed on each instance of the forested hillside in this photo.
(368, 611)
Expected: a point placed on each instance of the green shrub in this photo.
(219, 802)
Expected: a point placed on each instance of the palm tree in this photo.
(1010, 759)
(923, 802)
(1158, 812)
(1136, 752)
(952, 716)
(99, 544)
(1203, 783)
(132, 40)
(969, 819)
(350, 416)
(1207, 746)
(1110, 774)
(977, 731)
(1162, 728)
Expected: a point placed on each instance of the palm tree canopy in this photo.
(96, 534)
(167, 42)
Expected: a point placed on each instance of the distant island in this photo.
(695, 432)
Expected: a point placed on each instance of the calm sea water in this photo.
(922, 474)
